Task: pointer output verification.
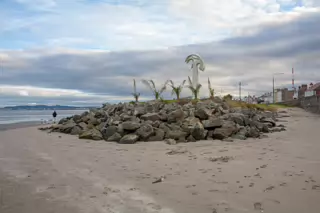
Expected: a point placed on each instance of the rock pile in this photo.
(128, 123)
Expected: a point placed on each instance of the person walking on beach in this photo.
(54, 114)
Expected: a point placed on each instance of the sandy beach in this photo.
(49, 172)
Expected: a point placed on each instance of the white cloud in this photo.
(157, 25)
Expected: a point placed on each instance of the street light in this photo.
(278, 73)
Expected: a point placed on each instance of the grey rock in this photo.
(203, 113)
(156, 124)
(198, 132)
(212, 123)
(228, 140)
(63, 120)
(145, 131)
(171, 141)
(190, 138)
(138, 111)
(67, 127)
(189, 123)
(130, 125)
(92, 134)
(151, 117)
(120, 130)
(176, 134)
(76, 130)
(210, 135)
(159, 135)
(242, 134)
(129, 139)
(253, 132)
(115, 137)
(238, 118)
(228, 128)
(176, 115)
(77, 118)
(82, 125)
(164, 127)
(108, 131)
(268, 121)
(263, 136)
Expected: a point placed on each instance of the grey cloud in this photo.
(250, 59)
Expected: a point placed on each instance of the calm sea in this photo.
(17, 116)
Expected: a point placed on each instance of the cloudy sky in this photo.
(86, 52)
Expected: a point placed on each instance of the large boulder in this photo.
(203, 113)
(253, 132)
(109, 131)
(227, 129)
(189, 124)
(151, 117)
(238, 118)
(242, 134)
(176, 115)
(130, 125)
(212, 123)
(198, 132)
(268, 121)
(158, 135)
(67, 127)
(92, 134)
(63, 120)
(76, 130)
(115, 137)
(77, 118)
(129, 139)
(177, 135)
(145, 131)
(138, 111)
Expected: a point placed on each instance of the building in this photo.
(283, 95)
(267, 97)
(314, 89)
(302, 90)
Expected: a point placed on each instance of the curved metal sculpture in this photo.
(197, 62)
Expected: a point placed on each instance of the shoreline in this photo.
(18, 125)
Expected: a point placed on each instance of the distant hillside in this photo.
(44, 107)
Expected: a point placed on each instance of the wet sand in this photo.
(41, 172)
(19, 125)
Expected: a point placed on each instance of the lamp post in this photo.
(278, 73)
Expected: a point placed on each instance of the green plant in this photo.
(211, 90)
(227, 97)
(156, 92)
(176, 90)
(135, 94)
(194, 90)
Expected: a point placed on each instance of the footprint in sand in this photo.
(214, 210)
(264, 166)
(257, 206)
(269, 188)
(154, 206)
(316, 187)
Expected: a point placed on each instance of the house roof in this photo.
(314, 87)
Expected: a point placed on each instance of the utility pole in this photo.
(240, 90)
(274, 100)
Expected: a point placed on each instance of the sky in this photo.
(87, 52)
